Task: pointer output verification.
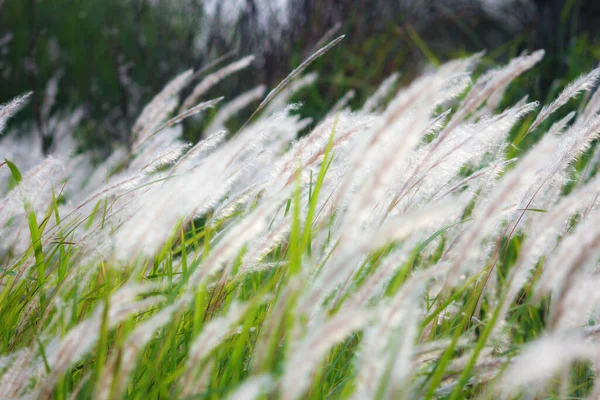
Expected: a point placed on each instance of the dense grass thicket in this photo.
(400, 250)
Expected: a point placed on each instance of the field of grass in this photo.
(434, 243)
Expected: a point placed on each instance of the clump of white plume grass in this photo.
(394, 251)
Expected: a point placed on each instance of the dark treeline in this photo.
(109, 57)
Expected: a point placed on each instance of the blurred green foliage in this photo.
(102, 50)
(112, 56)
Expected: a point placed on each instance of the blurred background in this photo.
(98, 62)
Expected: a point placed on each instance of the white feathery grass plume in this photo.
(214, 78)
(117, 185)
(493, 102)
(232, 242)
(479, 182)
(378, 98)
(33, 193)
(561, 125)
(272, 322)
(542, 359)
(411, 104)
(271, 138)
(371, 198)
(574, 142)
(193, 193)
(77, 389)
(235, 202)
(135, 343)
(165, 158)
(581, 84)
(154, 145)
(177, 119)
(307, 153)
(440, 162)
(342, 103)
(61, 353)
(578, 139)
(305, 356)
(482, 137)
(579, 304)
(253, 387)
(162, 114)
(284, 96)
(383, 349)
(212, 64)
(400, 226)
(61, 127)
(592, 106)
(17, 374)
(235, 106)
(568, 263)
(8, 359)
(286, 126)
(374, 285)
(200, 382)
(24, 149)
(7, 110)
(33, 184)
(263, 245)
(543, 236)
(155, 112)
(487, 216)
(403, 346)
(427, 351)
(343, 261)
(50, 95)
(490, 83)
(298, 70)
(210, 337)
(486, 368)
(105, 169)
(181, 196)
(592, 166)
(570, 145)
(383, 160)
(203, 146)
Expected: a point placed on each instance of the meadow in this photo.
(396, 250)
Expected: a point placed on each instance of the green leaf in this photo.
(14, 171)
(532, 209)
(436, 234)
